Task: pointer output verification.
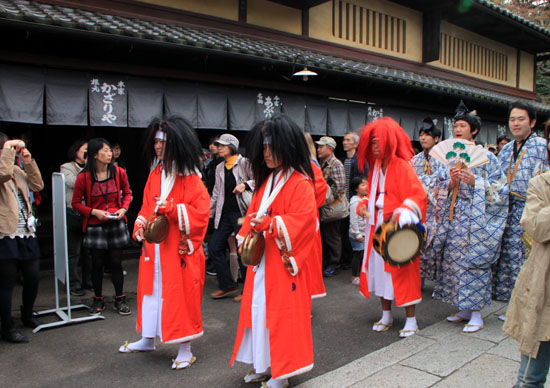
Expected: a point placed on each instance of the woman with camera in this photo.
(97, 197)
(18, 244)
(77, 154)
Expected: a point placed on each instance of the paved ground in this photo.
(86, 354)
(440, 356)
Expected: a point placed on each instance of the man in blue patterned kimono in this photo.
(521, 160)
(468, 242)
(427, 168)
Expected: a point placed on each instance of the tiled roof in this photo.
(72, 18)
(511, 15)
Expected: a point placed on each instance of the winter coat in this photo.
(528, 314)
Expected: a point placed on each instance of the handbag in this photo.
(243, 199)
(335, 208)
(74, 220)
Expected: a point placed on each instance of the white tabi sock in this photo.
(410, 324)
(411, 328)
(462, 315)
(184, 357)
(475, 318)
(143, 345)
(387, 318)
(253, 377)
(276, 383)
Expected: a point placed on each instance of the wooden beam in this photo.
(305, 22)
(243, 8)
(431, 35)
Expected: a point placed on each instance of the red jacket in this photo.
(402, 188)
(182, 277)
(84, 202)
(293, 216)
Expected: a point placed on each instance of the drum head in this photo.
(403, 246)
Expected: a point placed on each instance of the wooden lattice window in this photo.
(371, 28)
(471, 57)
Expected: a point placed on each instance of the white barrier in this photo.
(61, 259)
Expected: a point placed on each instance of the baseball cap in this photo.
(228, 140)
(328, 141)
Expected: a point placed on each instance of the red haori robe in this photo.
(317, 285)
(293, 216)
(182, 276)
(402, 189)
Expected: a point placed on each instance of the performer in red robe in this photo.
(274, 331)
(171, 272)
(394, 193)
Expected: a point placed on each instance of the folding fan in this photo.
(453, 151)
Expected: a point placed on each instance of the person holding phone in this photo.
(18, 243)
(97, 197)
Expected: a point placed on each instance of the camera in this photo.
(33, 223)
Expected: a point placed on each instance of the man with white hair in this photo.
(335, 175)
(349, 160)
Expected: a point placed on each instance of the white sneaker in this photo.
(355, 281)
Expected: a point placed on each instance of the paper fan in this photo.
(452, 151)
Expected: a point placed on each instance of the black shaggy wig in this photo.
(287, 144)
(182, 150)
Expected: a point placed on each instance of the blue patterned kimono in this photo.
(533, 160)
(428, 170)
(467, 246)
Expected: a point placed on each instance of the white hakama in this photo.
(151, 308)
(254, 347)
(379, 281)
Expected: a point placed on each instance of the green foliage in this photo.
(459, 145)
(450, 155)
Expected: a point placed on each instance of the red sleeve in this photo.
(79, 196)
(125, 188)
(252, 208)
(297, 224)
(415, 198)
(148, 205)
(192, 211)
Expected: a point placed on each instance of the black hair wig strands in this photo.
(287, 144)
(182, 150)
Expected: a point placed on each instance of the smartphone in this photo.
(111, 215)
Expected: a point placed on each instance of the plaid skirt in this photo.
(110, 235)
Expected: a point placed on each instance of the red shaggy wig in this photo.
(391, 137)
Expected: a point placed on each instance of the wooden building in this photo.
(106, 67)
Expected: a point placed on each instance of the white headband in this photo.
(160, 135)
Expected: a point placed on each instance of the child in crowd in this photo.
(357, 226)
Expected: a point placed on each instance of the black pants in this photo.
(217, 249)
(30, 269)
(74, 248)
(356, 261)
(332, 243)
(99, 257)
(347, 252)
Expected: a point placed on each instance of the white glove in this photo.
(406, 216)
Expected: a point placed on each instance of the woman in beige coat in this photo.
(18, 244)
(528, 315)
